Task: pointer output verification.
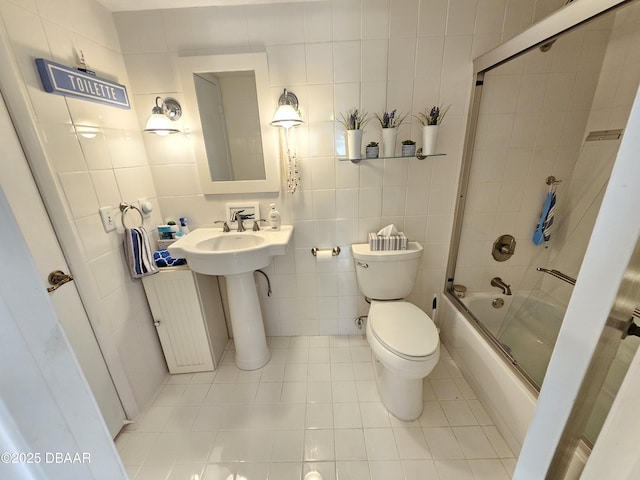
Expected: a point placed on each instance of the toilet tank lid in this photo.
(404, 328)
(362, 251)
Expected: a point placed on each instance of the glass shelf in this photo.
(418, 155)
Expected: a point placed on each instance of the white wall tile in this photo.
(319, 62)
(63, 149)
(346, 61)
(374, 60)
(287, 65)
(79, 193)
(175, 179)
(317, 22)
(346, 21)
(403, 18)
(433, 18)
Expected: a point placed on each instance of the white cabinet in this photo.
(187, 311)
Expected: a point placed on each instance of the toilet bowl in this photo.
(406, 347)
(404, 341)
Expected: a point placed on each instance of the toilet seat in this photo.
(404, 329)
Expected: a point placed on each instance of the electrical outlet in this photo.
(106, 215)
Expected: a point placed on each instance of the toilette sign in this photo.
(71, 82)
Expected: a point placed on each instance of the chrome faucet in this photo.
(225, 225)
(238, 218)
(497, 282)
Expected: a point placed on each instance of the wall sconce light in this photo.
(162, 116)
(287, 114)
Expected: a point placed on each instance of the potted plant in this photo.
(354, 121)
(408, 148)
(373, 150)
(431, 118)
(389, 121)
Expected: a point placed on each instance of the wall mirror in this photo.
(228, 111)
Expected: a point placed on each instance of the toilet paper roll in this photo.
(324, 256)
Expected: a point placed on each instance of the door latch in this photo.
(57, 278)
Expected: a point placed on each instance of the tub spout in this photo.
(497, 282)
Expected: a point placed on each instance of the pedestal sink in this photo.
(236, 255)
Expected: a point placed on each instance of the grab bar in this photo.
(572, 281)
(558, 274)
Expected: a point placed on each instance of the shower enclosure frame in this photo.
(568, 18)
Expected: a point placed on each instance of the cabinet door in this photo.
(175, 307)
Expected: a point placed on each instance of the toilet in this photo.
(404, 340)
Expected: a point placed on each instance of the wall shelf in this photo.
(418, 155)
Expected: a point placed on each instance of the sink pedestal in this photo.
(235, 255)
(246, 321)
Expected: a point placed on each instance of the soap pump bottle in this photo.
(274, 218)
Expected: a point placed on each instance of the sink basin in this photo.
(231, 243)
(211, 251)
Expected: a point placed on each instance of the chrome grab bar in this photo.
(558, 274)
(572, 281)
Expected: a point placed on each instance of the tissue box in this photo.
(391, 242)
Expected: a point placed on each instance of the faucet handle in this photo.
(225, 225)
(256, 224)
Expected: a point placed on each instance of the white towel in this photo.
(138, 253)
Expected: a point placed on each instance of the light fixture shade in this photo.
(162, 117)
(286, 116)
(160, 125)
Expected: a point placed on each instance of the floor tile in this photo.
(381, 444)
(420, 470)
(474, 443)
(314, 407)
(349, 444)
(411, 444)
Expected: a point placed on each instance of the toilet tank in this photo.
(386, 274)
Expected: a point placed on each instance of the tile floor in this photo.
(313, 408)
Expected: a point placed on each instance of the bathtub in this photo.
(507, 397)
(526, 326)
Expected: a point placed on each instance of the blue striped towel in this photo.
(543, 231)
(138, 253)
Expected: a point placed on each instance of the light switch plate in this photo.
(108, 222)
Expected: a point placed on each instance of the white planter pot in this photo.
(389, 137)
(354, 144)
(429, 139)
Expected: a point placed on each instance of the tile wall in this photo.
(92, 172)
(334, 55)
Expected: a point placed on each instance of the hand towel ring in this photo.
(126, 208)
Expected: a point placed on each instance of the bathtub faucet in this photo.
(497, 282)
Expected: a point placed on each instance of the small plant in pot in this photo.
(373, 150)
(408, 148)
(354, 119)
(432, 116)
(390, 119)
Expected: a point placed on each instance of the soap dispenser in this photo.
(274, 218)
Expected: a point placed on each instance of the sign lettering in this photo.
(70, 82)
